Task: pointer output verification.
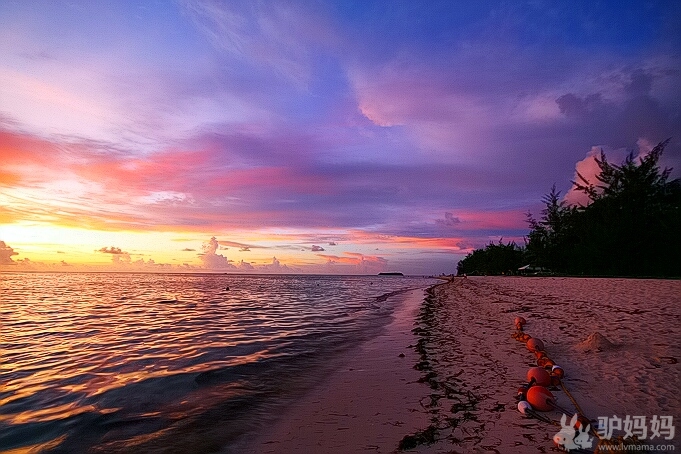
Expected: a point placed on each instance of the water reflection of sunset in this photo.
(116, 348)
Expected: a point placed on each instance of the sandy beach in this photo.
(455, 388)
(367, 405)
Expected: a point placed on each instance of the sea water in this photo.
(99, 362)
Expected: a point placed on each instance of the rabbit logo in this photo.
(571, 438)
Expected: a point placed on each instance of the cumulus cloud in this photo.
(112, 250)
(277, 267)
(6, 254)
(369, 264)
(333, 243)
(119, 257)
(573, 105)
(316, 248)
(449, 220)
(588, 167)
(188, 249)
(211, 259)
(245, 266)
(244, 249)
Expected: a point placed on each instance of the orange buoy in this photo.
(519, 321)
(540, 376)
(541, 362)
(525, 337)
(541, 398)
(557, 371)
(535, 345)
(548, 364)
(539, 354)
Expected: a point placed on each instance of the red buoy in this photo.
(535, 345)
(521, 392)
(539, 355)
(541, 398)
(519, 321)
(541, 377)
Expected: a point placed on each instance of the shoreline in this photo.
(454, 390)
(368, 404)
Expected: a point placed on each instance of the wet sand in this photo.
(367, 405)
(457, 383)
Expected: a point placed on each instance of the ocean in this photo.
(99, 362)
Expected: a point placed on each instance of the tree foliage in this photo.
(630, 226)
(497, 258)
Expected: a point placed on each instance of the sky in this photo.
(314, 136)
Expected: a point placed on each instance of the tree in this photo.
(494, 259)
(631, 225)
(551, 237)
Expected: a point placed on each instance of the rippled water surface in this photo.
(169, 362)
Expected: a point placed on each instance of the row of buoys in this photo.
(535, 396)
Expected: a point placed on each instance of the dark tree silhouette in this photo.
(494, 259)
(630, 226)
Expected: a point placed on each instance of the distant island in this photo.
(390, 274)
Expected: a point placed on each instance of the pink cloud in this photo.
(277, 267)
(438, 117)
(211, 259)
(361, 263)
(588, 167)
(6, 254)
(265, 178)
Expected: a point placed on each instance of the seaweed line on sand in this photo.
(449, 404)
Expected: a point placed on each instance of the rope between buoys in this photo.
(572, 399)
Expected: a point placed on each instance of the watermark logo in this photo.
(571, 437)
(634, 427)
(660, 427)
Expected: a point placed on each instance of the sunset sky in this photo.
(321, 137)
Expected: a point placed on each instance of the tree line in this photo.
(630, 226)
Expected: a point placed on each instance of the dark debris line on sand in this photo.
(448, 404)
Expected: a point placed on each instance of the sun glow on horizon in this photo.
(43, 246)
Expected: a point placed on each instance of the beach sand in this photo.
(466, 329)
(367, 405)
(470, 368)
